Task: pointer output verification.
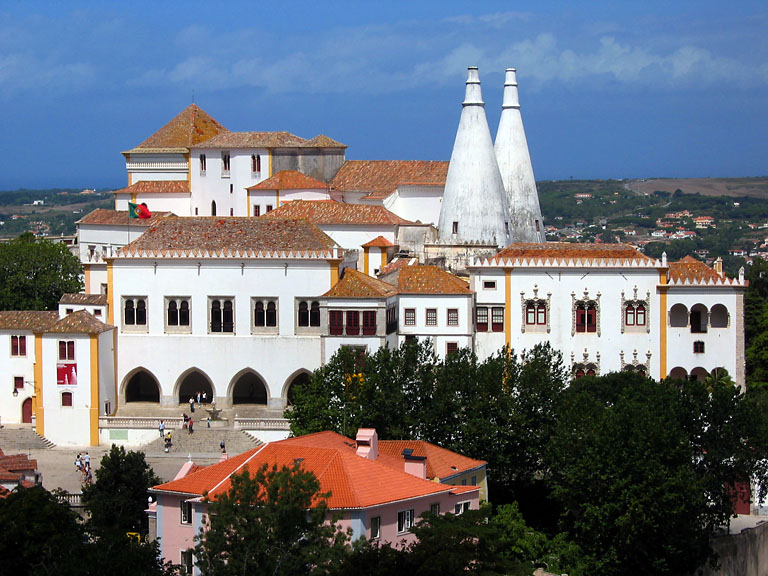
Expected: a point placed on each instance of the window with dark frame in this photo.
(256, 210)
(431, 316)
(18, 345)
(410, 317)
(202, 163)
(453, 317)
(314, 314)
(353, 322)
(497, 319)
(481, 319)
(435, 508)
(66, 399)
(18, 382)
(135, 312)
(225, 160)
(535, 313)
(186, 512)
(375, 527)
(222, 315)
(177, 313)
(634, 314)
(369, 322)
(455, 227)
(451, 347)
(67, 350)
(586, 317)
(404, 521)
(698, 347)
(336, 322)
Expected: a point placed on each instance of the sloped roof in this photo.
(103, 217)
(690, 269)
(32, 321)
(330, 212)
(378, 242)
(79, 322)
(355, 284)
(379, 178)
(353, 481)
(155, 187)
(220, 237)
(426, 280)
(397, 263)
(254, 140)
(441, 463)
(17, 462)
(190, 127)
(571, 250)
(323, 141)
(290, 180)
(84, 299)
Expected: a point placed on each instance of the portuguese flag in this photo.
(139, 211)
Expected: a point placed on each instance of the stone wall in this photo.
(742, 554)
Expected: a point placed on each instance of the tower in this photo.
(474, 208)
(514, 162)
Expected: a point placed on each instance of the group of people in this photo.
(83, 467)
(189, 423)
(201, 397)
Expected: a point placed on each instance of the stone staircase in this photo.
(15, 438)
(204, 441)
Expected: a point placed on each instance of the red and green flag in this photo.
(139, 211)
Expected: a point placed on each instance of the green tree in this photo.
(34, 273)
(273, 523)
(118, 498)
(756, 324)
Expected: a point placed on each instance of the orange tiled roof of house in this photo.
(379, 178)
(84, 299)
(31, 320)
(689, 268)
(17, 462)
(79, 322)
(353, 481)
(155, 187)
(323, 141)
(378, 242)
(254, 140)
(426, 280)
(290, 180)
(191, 126)
(103, 217)
(330, 212)
(441, 463)
(214, 236)
(569, 250)
(396, 264)
(355, 284)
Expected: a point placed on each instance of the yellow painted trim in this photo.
(366, 257)
(663, 314)
(277, 198)
(334, 271)
(130, 179)
(133, 198)
(269, 157)
(130, 176)
(110, 295)
(189, 169)
(114, 370)
(87, 274)
(38, 400)
(94, 406)
(508, 306)
(383, 258)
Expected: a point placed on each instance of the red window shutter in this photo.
(336, 322)
(353, 322)
(369, 323)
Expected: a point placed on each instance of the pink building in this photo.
(379, 494)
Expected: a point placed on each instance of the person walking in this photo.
(192, 404)
(162, 429)
(222, 446)
(191, 424)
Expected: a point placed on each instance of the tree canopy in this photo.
(34, 273)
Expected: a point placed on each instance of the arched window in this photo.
(271, 314)
(678, 316)
(222, 315)
(213, 208)
(135, 312)
(254, 163)
(699, 319)
(259, 318)
(173, 313)
(303, 313)
(634, 314)
(129, 313)
(66, 399)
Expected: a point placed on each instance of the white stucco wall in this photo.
(11, 367)
(416, 203)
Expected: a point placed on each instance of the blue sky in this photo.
(608, 89)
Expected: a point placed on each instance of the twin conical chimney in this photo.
(516, 169)
(474, 207)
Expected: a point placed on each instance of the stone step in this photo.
(16, 438)
(204, 441)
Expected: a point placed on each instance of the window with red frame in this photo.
(536, 314)
(66, 350)
(481, 319)
(66, 399)
(497, 319)
(698, 347)
(586, 317)
(634, 315)
(451, 347)
(453, 317)
(410, 317)
(336, 322)
(353, 322)
(369, 323)
(431, 316)
(18, 345)
(18, 382)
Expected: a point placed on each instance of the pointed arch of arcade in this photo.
(248, 387)
(678, 373)
(140, 385)
(301, 375)
(190, 382)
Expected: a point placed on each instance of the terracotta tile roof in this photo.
(379, 178)
(353, 481)
(441, 463)
(254, 140)
(84, 299)
(102, 217)
(396, 264)
(155, 187)
(191, 126)
(198, 481)
(218, 237)
(355, 284)
(426, 280)
(378, 242)
(330, 212)
(692, 270)
(17, 462)
(323, 141)
(80, 322)
(571, 251)
(32, 321)
(290, 180)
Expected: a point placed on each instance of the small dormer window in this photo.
(455, 227)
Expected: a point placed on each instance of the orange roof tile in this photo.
(441, 463)
(379, 178)
(253, 140)
(691, 269)
(378, 242)
(232, 236)
(155, 187)
(323, 141)
(32, 321)
(102, 217)
(355, 284)
(426, 280)
(396, 264)
(353, 481)
(290, 180)
(568, 250)
(330, 212)
(80, 322)
(191, 126)
(84, 299)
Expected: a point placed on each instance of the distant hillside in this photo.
(738, 187)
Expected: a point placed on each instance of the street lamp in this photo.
(15, 392)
